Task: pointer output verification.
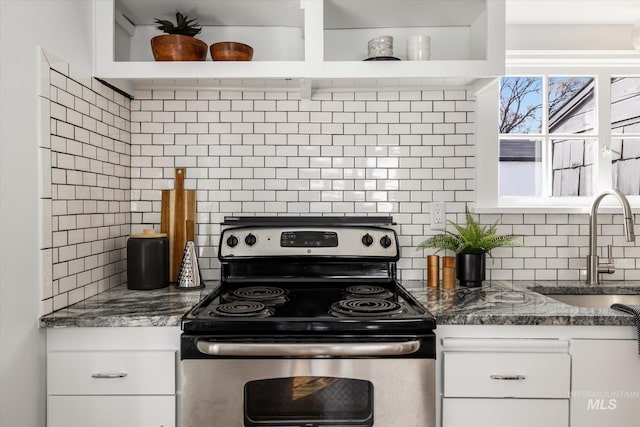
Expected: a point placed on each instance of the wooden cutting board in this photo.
(178, 218)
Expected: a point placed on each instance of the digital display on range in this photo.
(305, 239)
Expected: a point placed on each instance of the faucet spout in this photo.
(593, 264)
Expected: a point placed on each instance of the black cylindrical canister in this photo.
(148, 260)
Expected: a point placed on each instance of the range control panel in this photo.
(308, 241)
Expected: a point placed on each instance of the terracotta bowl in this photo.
(176, 47)
(231, 51)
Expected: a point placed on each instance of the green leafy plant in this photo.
(183, 25)
(470, 239)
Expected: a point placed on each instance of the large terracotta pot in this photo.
(176, 47)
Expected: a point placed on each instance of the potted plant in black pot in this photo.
(471, 243)
(179, 43)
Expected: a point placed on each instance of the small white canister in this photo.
(418, 47)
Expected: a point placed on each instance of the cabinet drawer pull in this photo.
(108, 376)
(508, 377)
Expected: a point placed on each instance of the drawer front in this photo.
(533, 375)
(110, 411)
(505, 413)
(111, 372)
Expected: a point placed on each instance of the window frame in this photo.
(602, 66)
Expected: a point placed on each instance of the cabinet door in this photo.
(505, 412)
(605, 389)
(111, 411)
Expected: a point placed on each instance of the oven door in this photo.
(331, 389)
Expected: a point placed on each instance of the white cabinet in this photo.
(505, 412)
(109, 411)
(112, 376)
(503, 383)
(298, 41)
(111, 372)
(605, 385)
(512, 375)
(578, 376)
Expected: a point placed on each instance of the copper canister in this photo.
(433, 273)
(448, 272)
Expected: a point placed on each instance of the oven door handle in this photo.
(370, 349)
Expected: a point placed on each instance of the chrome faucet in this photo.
(593, 261)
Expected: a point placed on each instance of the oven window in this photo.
(298, 400)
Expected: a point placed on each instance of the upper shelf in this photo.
(285, 13)
(318, 43)
(349, 14)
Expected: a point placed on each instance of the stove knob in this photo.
(232, 241)
(250, 240)
(385, 241)
(367, 240)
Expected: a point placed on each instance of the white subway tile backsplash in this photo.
(265, 152)
(455, 95)
(79, 176)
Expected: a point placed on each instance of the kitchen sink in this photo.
(597, 301)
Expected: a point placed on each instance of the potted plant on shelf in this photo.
(179, 42)
(470, 243)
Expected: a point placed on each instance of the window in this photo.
(520, 120)
(625, 129)
(546, 135)
(560, 134)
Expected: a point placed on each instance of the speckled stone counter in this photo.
(124, 307)
(520, 303)
(495, 303)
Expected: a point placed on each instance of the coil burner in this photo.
(367, 307)
(241, 309)
(268, 295)
(368, 291)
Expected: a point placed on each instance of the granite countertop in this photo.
(125, 307)
(520, 303)
(495, 303)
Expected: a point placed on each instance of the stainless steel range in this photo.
(308, 328)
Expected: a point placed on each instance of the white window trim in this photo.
(602, 65)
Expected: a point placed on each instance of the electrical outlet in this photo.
(438, 216)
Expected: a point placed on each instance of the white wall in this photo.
(64, 28)
(568, 37)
